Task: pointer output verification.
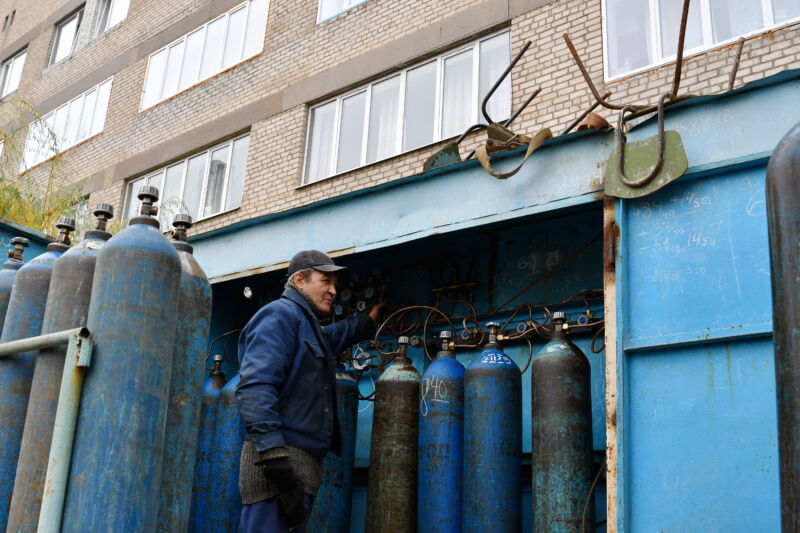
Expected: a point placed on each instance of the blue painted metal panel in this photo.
(698, 448)
(702, 428)
(39, 240)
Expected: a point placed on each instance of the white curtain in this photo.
(383, 117)
(731, 18)
(457, 98)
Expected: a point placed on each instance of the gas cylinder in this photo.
(202, 504)
(119, 439)
(331, 513)
(783, 222)
(492, 441)
(392, 491)
(9, 271)
(441, 433)
(226, 499)
(23, 319)
(67, 308)
(183, 414)
(562, 435)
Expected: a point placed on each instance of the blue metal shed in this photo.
(683, 395)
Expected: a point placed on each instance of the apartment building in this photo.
(287, 124)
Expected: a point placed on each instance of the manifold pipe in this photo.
(79, 353)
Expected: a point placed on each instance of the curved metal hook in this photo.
(500, 80)
(621, 146)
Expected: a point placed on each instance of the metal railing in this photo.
(78, 358)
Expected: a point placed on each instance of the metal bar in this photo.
(508, 122)
(79, 354)
(500, 80)
(583, 115)
(590, 83)
(735, 69)
(676, 80)
(41, 341)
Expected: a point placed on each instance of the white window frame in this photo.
(350, 5)
(49, 119)
(129, 185)
(242, 57)
(106, 8)
(706, 32)
(57, 35)
(438, 106)
(7, 67)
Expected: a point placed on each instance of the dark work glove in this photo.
(291, 489)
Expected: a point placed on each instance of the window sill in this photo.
(699, 51)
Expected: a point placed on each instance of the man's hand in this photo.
(291, 489)
(376, 312)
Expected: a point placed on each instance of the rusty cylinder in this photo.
(562, 436)
(783, 218)
(392, 491)
(67, 308)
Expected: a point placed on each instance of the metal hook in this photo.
(584, 114)
(500, 80)
(676, 79)
(621, 146)
(506, 124)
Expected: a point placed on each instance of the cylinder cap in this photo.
(493, 324)
(403, 339)
(104, 210)
(67, 223)
(21, 241)
(182, 219)
(217, 358)
(148, 192)
(445, 334)
(559, 315)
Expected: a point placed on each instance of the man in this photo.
(287, 395)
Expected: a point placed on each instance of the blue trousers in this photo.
(265, 517)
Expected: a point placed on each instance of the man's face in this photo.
(320, 287)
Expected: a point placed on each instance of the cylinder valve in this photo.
(19, 244)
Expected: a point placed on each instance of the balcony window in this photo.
(642, 34)
(330, 8)
(428, 102)
(218, 45)
(204, 184)
(11, 72)
(69, 124)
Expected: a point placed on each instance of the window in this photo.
(66, 36)
(330, 8)
(434, 100)
(640, 34)
(11, 72)
(225, 41)
(112, 12)
(203, 185)
(67, 125)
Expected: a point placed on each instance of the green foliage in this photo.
(35, 203)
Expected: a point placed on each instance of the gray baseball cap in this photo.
(313, 259)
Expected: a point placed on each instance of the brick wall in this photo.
(296, 48)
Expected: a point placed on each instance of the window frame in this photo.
(351, 5)
(6, 67)
(106, 8)
(161, 173)
(438, 120)
(222, 66)
(79, 12)
(655, 44)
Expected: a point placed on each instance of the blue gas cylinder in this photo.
(202, 502)
(441, 432)
(492, 441)
(9, 272)
(225, 496)
(183, 413)
(23, 319)
(67, 308)
(331, 513)
(119, 440)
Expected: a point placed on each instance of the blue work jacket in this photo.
(287, 392)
